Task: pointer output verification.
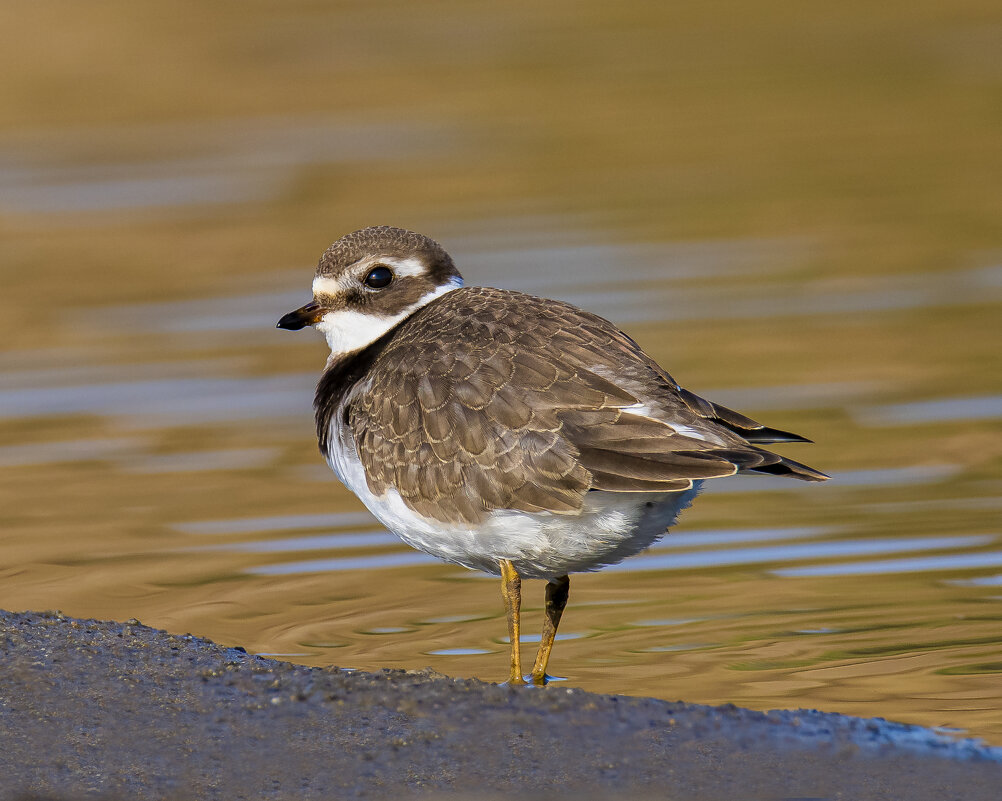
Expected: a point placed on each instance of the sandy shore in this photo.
(120, 710)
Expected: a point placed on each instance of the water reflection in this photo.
(667, 622)
(77, 450)
(985, 407)
(965, 561)
(937, 504)
(254, 525)
(321, 542)
(656, 560)
(200, 461)
(166, 402)
(233, 161)
(380, 562)
(842, 479)
(909, 292)
(983, 581)
(685, 646)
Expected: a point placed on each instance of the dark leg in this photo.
(556, 600)
(511, 592)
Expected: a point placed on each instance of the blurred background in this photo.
(794, 207)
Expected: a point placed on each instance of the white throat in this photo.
(348, 331)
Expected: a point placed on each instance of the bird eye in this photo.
(378, 277)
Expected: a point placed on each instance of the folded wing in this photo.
(487, 399)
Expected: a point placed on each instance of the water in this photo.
(827, 265)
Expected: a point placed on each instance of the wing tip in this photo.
(791, 469)
(766, 435)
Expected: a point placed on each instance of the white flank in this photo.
(348, 331)
(610, 527)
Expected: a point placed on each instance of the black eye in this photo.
(378, 277)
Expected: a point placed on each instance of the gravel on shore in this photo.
(93, 709)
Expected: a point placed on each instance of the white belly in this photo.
(610, 527)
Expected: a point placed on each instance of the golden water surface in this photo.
(794, 208)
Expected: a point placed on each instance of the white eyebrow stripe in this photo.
(411, 267)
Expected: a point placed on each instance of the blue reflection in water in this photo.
(706, 538)
(786, 553)
(184, 400)
(946, 562)
(947, 410)
(983, 581)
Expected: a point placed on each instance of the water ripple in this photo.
(946, 562)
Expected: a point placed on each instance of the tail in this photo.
(755, 433)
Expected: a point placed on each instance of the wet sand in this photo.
(121, 710)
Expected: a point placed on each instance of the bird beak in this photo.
(309, 314)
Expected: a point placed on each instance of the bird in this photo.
(504, 432)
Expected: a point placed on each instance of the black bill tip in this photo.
(300, 318)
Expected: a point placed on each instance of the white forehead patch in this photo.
(348, 331)
(322, 285)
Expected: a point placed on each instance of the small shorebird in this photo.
(504, 432)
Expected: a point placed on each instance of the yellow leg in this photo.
(556, 600)
(511, 592)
